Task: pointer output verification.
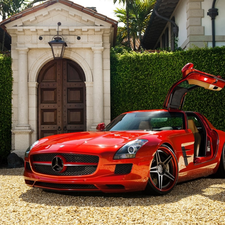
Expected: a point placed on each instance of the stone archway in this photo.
(61, 101)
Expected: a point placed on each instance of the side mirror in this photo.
(100, 127)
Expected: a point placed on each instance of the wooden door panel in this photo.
(75, 116)
(49, 99)
(49, 72)
(74, 72)
(75, 128)
(73, 98)
(45, 133)
(48, 96)
(75, 95)
(49, 116)
(61, 98)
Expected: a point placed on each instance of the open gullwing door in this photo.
(192, 79)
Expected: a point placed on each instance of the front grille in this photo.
(122, 169)
(69, 157)
(73, 164)
(70, 171)
(64, 186)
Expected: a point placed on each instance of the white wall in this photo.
(220, 19)
(180, 19)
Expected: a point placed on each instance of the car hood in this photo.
(89, 140)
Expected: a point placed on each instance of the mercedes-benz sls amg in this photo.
(147, 150)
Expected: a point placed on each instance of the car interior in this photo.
(199, 133)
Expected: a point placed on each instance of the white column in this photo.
(98, 106)
(22, 130)
(22, 89)
(89, 104)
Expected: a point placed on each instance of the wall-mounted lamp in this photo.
(58, 47)
(58, 44)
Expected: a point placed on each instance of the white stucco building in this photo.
(64, 95)
(194, 19)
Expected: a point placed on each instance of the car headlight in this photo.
(130, 149)
(28, 150)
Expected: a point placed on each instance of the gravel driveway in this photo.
(196, 202)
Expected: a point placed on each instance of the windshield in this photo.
(155, 121)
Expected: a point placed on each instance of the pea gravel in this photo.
(195, 202)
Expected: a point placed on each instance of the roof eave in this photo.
(149, 41)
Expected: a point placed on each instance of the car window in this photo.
(197, 122)
(152, 120)
(167, 123)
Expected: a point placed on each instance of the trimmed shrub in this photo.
(5, 107)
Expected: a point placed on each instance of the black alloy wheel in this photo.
(163, 172)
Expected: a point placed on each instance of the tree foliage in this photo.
(136, 21)
(11, 7)
(128, 3)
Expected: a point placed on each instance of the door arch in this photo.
(61, 98)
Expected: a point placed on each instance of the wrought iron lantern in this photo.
(58, 44)
(58, 47)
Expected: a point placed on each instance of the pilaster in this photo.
(89, 104)
(194, 27)
(98, 110)
(22, 130)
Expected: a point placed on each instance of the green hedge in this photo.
(142, 81)
(5, 106)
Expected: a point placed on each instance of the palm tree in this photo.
(128, 5)
(8, 8)
(31, 4)
(139, 14)
(11, 7)
(121, 31)
(142, 11)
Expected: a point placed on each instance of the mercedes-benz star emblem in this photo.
(57, 164)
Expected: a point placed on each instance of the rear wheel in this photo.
(221, 170)
(163, 172)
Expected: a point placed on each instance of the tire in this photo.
(163, 172)
(221, 170)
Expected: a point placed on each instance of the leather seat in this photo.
(144, 125)
(197, 136)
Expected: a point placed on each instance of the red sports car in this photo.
(147, 150)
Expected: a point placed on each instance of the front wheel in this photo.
(163, 172)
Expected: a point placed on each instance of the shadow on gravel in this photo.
(209, 188)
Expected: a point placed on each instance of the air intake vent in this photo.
(123, 169)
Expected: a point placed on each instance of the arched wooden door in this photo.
(61, 98)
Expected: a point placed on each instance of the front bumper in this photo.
(127, 175)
